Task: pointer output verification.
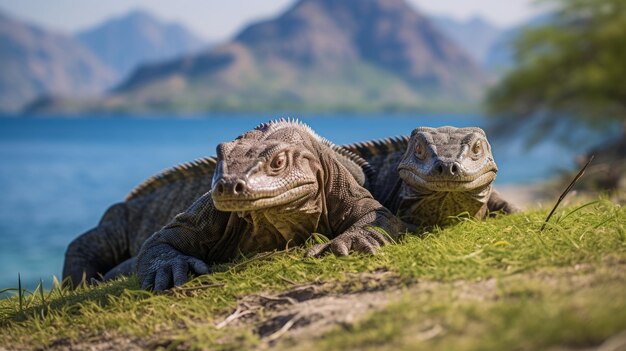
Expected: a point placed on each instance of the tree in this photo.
(572, 69)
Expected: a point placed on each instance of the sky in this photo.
(219, 20)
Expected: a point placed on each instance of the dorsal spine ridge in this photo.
(170, 175)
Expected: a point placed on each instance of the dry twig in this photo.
(284, 329)
(234, 316)
(567, 190)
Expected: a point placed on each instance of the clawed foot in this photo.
(365, 241)
(162, 267)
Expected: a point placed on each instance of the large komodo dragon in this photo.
(272, 187)
(434, 175)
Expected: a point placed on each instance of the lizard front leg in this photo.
(363, 223)
(367, 235)
(181, 247)
(497, 203)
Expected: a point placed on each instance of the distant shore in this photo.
(527, 196)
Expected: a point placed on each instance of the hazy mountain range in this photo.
(317, 55)
(35, 62)
(137, 38)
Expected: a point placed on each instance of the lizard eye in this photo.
(279, 161)
(477, 148)
(420, 151)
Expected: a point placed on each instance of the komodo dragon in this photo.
(332, 203)
(273, 186)
(434, 175)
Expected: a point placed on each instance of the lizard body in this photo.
(111, 248)
(273, 186)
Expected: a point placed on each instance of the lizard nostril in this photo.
(219, 188)
(440, 169)
(239, 187)
(454, 169)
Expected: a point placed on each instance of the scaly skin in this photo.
(110, 249)
(107, 250)
(273, 187)
(435, 175)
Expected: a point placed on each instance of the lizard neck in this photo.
(427, 208)
(281, 227)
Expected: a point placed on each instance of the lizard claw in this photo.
(162, 267)
(344, 244)
(337, 248)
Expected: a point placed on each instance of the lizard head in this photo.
(446, 171)
(268, 167)
(448, 159)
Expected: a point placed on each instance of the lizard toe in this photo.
(179, 273)
(197, 265)
(340, 247)
(316, 250)
(366, 245)
(148, 281)
(163, 279)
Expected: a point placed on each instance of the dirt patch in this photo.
(100, 342)
(309, 310)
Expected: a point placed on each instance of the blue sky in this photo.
(219, 19)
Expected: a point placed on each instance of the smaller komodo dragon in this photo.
(434, 175)
(273, 186)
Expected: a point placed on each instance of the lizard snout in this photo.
(446, 169)
(230, 186)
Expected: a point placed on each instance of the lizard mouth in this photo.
(450, 184)
(263, 199)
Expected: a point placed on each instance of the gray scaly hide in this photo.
(434, 175)
(111, 247)
(272, 188)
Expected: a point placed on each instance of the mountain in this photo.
(318, 55)
(135, 38)
(36, 62)
(475, 35)
(499, 56)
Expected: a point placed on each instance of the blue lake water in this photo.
(59, 175)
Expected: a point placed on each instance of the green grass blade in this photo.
(578, 209)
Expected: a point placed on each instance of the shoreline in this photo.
(527, 196)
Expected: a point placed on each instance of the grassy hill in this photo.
(493, 285)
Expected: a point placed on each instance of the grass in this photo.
(520, 313)
(532, 290)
